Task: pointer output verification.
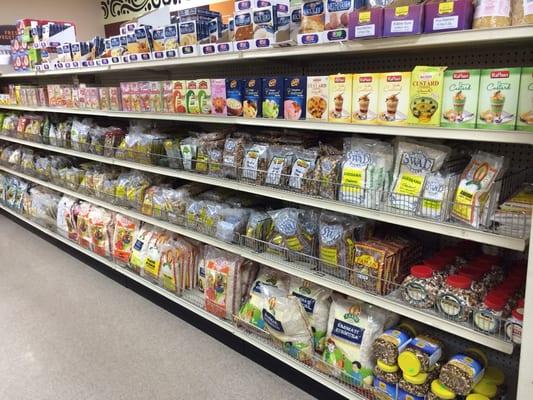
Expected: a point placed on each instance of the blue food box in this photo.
(251, 105)
(295, 91)
(272, 97)
(234, 96)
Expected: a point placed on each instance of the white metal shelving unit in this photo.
(469, 49)
(481, 135)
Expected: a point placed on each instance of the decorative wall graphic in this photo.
(127, 9)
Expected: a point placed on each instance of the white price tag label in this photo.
(445, 23)
(365, 31)
(402, 26)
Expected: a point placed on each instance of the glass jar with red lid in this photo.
(455, 299)
(488, 316)
(419, 289)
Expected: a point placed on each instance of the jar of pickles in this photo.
(419, 289)
(456, 299)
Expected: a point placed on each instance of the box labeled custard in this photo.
(394, 98)
(425, 95)
(459, 98)
(340, 98)
(365, 98)
(317, 98)
(498, 98)
(525, 101)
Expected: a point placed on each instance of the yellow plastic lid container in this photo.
(494, 375)
(406, 326)
(409, 363)
(476, 396)
(441, 391)
(485, 388)
(418, 379)
(477, 354)
(386, 367)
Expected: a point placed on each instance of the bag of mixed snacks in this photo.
(365, 171)
(172, 152)
(140, 246)
(113, 138)
(293, 229)
(232, 223)
(316, 301)
(269, 283)
(474, 187)
(66, 218)
(101, 230)
(125, 231)
(79, 134)
(522, 12)
(492, 14)
(413, 163)
(327, 175)
(82, 223)
(154, 254)
(210, 149)
(233, 155)
(255, 163)
(189, 149)
(280, 166)
(437, 195)
(352, 328)
(302, 172)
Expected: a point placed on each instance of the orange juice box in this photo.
(365, 97)
(394, 98)
(340, 98)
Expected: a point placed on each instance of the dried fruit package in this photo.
(475, 185)
(233, 156)
(255, 163)
(301, 178)
(413, 162)
(279, 167)
(125, 231)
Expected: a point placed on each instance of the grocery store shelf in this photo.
(295, 269)
(481, 135)
(457, 231)
(262, 345)
(477, 38)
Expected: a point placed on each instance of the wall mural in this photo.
(120, 10)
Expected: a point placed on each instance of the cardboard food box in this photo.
(178, 96)
(234, 96)
(253, 98)
(188, 38)
(317, 98)
(204, 95)
(295, 89)
(218, 97)
(365, 98)
(525, 101)
(244, 31)
(425, 95)
(459, 98)
(366, 23)
(264, 26)
(191, 97)
(446, 15)
(394, 98)
(272, 97)
(498, 98)
(312, 22)
(337, 20)
(403, 20)
(171, 41)
(340, 98)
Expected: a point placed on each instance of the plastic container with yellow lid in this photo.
(386, 378)
(475, 396)
(463, 371)
(415, 386)
(440, 392)
(486, 388)
(420, 355)
(494, 375)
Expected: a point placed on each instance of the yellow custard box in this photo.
(340, 98)
(393, 105)
(425, 96)
(365, 97)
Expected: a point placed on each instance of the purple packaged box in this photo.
(444, 16)
(403, 20)
(366, 24)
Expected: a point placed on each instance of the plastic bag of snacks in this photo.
(280, 166)
(233, 155)
(124, 233)
(302, 172)
(255, 163)
(316, 301)
(413, 163)
(476, 183)
(79, 134)
(189, 151)
(155, 246)
(66, 218)
(101, 230)
(492, 14)
(140, 247)
(82, 223)
(352, 328)
(269, 283)
(522, 12)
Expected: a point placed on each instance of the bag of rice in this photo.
(269, 283)
(352, 328)
(316, 301)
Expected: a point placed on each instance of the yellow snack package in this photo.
(425, 96)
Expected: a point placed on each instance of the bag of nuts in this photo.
(302, 172)
(255, 163)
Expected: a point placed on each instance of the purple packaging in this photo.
(251, 105)
(294, 97)
(366, 24)
(218, 97)
(444, 16)
(403, 20)
(272, 106)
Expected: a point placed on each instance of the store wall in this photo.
(86, 14)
